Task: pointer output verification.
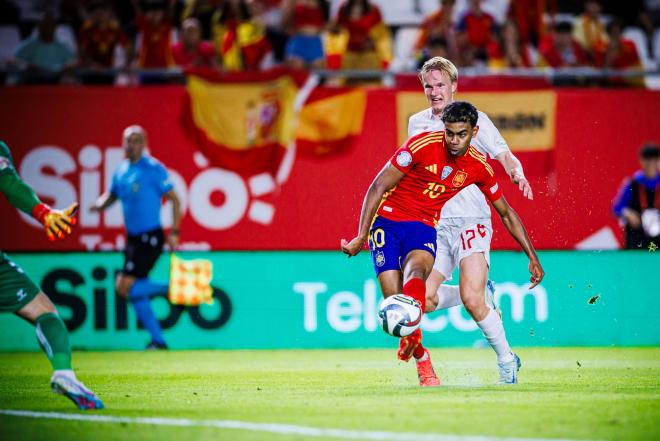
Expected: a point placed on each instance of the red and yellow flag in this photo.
(242, 122)
(190, 281)
(331, 120)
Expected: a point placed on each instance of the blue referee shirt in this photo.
(140, 188)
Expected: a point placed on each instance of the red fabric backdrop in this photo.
(598, 133)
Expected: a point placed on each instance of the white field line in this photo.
(280, 429)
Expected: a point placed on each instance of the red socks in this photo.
(416, 288)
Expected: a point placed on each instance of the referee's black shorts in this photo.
(142, 252)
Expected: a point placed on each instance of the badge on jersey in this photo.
(404, 158)
(380, 258)
(446, 170)
(459, 178)
(4, 163)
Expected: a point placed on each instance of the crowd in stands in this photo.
(104, 41)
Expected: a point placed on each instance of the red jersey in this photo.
(433, 176)
(202, 56)
(155, 43)
(479, 28)
(99, 42)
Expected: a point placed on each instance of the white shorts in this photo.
(458, 238)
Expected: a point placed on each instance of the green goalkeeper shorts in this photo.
(16, 288)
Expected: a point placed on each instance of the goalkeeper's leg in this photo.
(54, 340)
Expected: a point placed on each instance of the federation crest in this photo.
(459, 178)
(446, 170)
(380, 259)
(404, 158)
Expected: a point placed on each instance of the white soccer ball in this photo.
(399, 315)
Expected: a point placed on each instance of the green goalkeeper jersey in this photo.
(18, 193)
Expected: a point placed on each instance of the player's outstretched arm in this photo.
(57, 223)
(517, 230)
(173, 237)
(388, 177)
(514, 169)
(103, 202)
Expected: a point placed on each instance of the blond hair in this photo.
(441, 64)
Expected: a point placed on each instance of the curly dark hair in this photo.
(460, 111)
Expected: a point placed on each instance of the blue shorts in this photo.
(308, 48)
(391, 241)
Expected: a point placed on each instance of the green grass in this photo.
(613, 395)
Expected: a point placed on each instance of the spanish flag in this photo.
(242, 122)
(331, 120)
(242, 46)
(190, 281)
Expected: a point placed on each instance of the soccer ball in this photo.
(399, 315)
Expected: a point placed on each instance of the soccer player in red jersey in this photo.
(402, 207)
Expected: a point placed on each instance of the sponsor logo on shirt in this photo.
(459, 178)
(387, 208)
(493, 189)
(21, 294)
(446, 170)
(433, 168)
(404, 159)
(4, 163)
(430, 246)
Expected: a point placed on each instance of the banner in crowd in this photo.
(525, 119)
(243, 126)
(324, 300)
(66, 143)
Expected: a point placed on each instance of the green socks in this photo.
(54, 340)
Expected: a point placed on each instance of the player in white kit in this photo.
(465, 230)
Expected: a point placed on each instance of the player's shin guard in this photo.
(416, 288)
(448, 296)
(145, 313)
(54, 340)
(493, 330)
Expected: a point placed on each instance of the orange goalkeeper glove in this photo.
(57, 223)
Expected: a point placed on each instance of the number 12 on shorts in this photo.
(468, 235)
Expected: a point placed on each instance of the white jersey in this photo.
(469, 202)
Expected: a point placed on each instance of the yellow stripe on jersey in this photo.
(478, 153)
(479, 157)
(420, 143)
(418, 147)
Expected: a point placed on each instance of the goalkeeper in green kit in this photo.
(20, 295)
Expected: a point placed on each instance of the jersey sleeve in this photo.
(18, 193)
(162, 179)
(488, 184)
(408, 155)
(489, 139)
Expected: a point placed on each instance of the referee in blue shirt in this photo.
(140, 182)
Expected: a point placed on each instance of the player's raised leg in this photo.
(416, 269)
(54, 340)
(473, 280)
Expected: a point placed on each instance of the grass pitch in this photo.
(568, 393)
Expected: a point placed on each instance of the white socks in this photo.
(493, 330)
(448, 296)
